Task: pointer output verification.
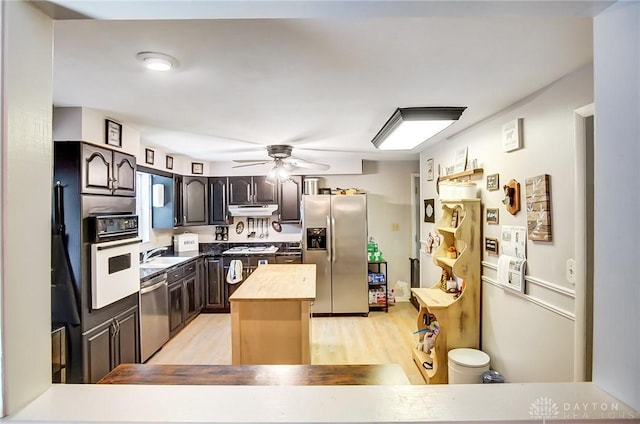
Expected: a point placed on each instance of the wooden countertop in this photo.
(278, 282)
(257, 375)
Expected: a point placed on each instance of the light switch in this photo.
(395, 226)
(571, 271)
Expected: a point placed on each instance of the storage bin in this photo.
(466, 366)
(186, 242)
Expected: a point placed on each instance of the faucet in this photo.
(146, 255)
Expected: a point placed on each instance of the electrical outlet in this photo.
(571, 271)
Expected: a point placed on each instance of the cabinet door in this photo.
(194, 201)
(240, 190)
(98, 351)
(264, 192)
(290, 195)
(218, 200)
(127, 337)
(200, 284)
(96, 170)
(190, 308)
(176, 307)
(215, 284)
(124, 174)
(177, 200)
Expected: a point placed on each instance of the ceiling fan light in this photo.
(409, 127)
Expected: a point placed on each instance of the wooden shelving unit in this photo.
(458, 314)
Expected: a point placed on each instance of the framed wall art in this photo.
(493, 216)
(429, 210)
(430, 169)
(169, 162)
(197, 168)
(512, 135)
(538, 208)
(113, 133)
(491, 245)
(493, 182)
(461, 160)
(148, 156)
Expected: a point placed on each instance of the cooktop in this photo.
(243, 250)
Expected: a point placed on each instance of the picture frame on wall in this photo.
(461, 160)
(429, 210)
(197, 168)
(512, 135)
(169, 162)
(491, 245)
(112, 133)
(430, 169)
(493, 216)
(149, 156)
(493, 182)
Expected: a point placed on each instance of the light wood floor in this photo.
(380, 338)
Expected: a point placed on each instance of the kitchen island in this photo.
(270, 315)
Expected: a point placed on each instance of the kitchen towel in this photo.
(234, 275)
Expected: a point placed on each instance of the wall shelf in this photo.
(468, 173)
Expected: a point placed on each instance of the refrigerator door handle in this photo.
(333, 239)
(330, 235)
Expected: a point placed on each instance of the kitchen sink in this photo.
(163, 262)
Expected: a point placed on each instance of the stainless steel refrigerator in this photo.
(334, 238)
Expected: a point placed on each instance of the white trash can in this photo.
(467, 365)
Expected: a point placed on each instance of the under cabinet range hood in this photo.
(252, 210)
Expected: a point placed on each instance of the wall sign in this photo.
(512, 135)
(429, 210)
(538, 207)
(493, 182)
(493, 216)
(491, 245)
(113, 133)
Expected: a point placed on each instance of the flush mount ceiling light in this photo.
(411, 126)
(157, 61)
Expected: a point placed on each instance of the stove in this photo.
(248, 250)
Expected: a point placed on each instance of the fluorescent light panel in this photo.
(409, 127)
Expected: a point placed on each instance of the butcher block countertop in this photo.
(278, 282)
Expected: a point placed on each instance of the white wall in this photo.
(26, 189)
(388, 188)
(616, 356)
(526, 341)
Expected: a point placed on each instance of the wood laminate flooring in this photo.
(380, 338)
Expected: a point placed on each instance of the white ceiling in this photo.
(322, 76)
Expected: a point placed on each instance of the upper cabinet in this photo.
(251, 191)
(218, 190)
(105, 171)
(289, 197)
(194, 201)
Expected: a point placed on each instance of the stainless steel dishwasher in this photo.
(154, 315)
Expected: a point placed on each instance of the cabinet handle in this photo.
(184, 219)
(249, 193)
(175, 221)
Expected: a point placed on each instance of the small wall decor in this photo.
(454, 218)
(169, 162)
(538, 207)
(493, 182)
(461, 160)
(493, 216)
(512, 135)
(148, 156)
(430, 169)
(491, 245)
(512, 197)
(112, 133)
(428, 247)
(429, 210)
(197, 168)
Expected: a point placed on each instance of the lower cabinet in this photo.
(183, 296)
(110, 344)
(176, 320)
(214, 290)
(201, 275)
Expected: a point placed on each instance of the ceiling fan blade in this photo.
(252, 163)
(252, 160)
(301, 163)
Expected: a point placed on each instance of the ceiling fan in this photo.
(281, 154)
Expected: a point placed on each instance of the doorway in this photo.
(584, 241)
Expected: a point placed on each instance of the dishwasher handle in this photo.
(153, 287)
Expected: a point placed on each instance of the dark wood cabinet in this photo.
(110, 344)
(215, 299)
(218, 200)
(289, 198)
(201, 284)
(177, 200)
(176, 319)
(105, 171)
(190, 309)
(251, 191)
(194, 201)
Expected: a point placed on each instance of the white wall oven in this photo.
(115, 258)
